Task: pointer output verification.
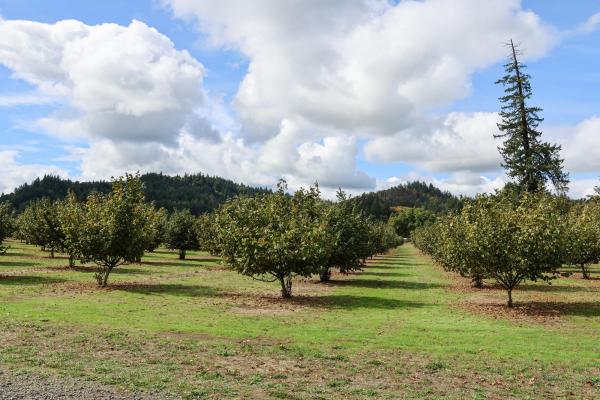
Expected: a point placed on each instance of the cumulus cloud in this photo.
(457, 142)
(123, 83)
(363, 66)
(580, 144)
(322, 77)
(14, 173)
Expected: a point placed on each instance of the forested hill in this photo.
(413, 194)
(199, 193)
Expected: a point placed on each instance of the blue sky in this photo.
(566, 81)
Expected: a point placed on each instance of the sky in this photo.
(357, 94)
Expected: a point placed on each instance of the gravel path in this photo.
(29, 387)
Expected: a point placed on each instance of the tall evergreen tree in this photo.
(531, 162)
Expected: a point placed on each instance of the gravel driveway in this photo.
(30, 387)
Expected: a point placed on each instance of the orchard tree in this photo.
(274, 236)
(114, 226)
(181, 232)
(207, 234)
(7, 224)
(406, 220)
(155, 228)
(72, 219)
(348, 231)
(39, 224)
(510, 238)
(583, 235)
(527, 159)
(382, 238)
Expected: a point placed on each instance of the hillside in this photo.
(413, 194)
(199, 193)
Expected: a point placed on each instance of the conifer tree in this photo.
(529, 161)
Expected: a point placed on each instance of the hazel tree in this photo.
(407, 220)
(274, 237)
(39, 224)
(181, 232)
(113, 230)
(207, 234)
(72, 219)
(155, 228)
(583, 235)
(348, 231)
(7, 224)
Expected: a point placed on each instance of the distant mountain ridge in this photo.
(382, 203)
(198, 192)
(202, 193)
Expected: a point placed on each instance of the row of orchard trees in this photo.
(269, 237)
(512, 237)
(274, 237)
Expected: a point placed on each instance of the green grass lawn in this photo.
(402, 328)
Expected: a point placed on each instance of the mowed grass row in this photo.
(401, 328)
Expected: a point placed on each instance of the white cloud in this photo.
(14, 173)
(322, 77)
(364, 67)
(121, 82)
(24, 99)
(457, 142)
(580, 144)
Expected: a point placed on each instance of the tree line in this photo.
(269, 236)
(198, 193)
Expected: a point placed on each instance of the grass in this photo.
(400, 328)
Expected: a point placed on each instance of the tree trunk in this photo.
(584, 272)
(51, 253)
(325, 275)
(107, 271)
(510, 300)
(71, 261)
(286, 286)
(182, 254)
(477, 281)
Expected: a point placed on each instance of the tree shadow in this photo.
(349, 302)
(388, 284)
(179, 290)
(94, 269)
(15, 280)
(384, 274)
(553, 308)
(18, 263)
(553, 288)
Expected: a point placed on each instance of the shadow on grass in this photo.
(349, 302)
(375, 284)
(552, 308)
(15, 280)
(18, 263)
(384, 274)
(166, 288)
(94, 269)
(178, 262)
(554, 288)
